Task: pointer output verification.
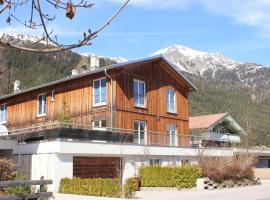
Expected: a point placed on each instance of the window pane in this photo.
(103, 123)
(171, 130)
(40, 104)
(96, 91)
(44, 103)
(1, 112)
(4, 118)
(96, 123)
(135, 92)
(103, 90)
(170, 100)
(141, 93)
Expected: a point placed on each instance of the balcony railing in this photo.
(89, 133)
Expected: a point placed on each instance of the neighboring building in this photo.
(216, 129)
(121, 116)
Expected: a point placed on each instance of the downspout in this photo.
(111, 96)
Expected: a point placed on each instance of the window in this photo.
(99, 125)
(41, 105)
(99, 94)
(171, 135)
(3, 113)
(184, 162)
(154, 162)
(139, 93)
(170, 101)
(139, 132)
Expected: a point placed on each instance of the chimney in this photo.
(17, 85)
(94, 62)
(74, 72)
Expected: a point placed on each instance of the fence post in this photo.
(42, 187)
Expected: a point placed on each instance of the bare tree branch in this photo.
(52, 43)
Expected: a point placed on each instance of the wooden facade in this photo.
(157, 74)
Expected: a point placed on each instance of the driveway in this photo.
(261, 192)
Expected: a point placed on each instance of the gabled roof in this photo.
(205, 121)
(210, 121)
(114, 66)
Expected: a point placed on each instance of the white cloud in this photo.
(254, 13)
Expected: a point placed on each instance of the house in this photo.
(116, 119)
(216, 129)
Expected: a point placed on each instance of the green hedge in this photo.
(180, 177)
(186, 176)
(104, 187)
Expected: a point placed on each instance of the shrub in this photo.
(225, 168)
(180, 177)
(7, 169)
(157, 176)
(19, 189)
(105, 187)
(186, 176)
(129, 188)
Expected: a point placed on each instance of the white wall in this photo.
(63, 168)
(43, 165)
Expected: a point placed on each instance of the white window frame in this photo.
(5, 120)
(170, 136)
(99, 127)
(144, 95)
(174, 101)
(93, 98)
(43, 114)
(139, 135)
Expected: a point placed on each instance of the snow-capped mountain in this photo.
(21, 39)
(216, 66)
(115, 59)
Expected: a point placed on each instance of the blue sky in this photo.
(237, 28)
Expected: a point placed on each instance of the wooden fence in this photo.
(42, 194)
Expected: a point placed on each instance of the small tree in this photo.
(7, 169)
(65, 114)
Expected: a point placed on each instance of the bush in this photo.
(187, 175)
(105, 187)
(157, 176)
(19, 189)
(129, 188)
(180, 177)
(7, 170)
(227, 168)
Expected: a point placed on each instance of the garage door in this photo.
(96, 167)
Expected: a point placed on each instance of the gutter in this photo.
(111, 96)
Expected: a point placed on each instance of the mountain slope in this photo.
(225, 85)
(217, 66)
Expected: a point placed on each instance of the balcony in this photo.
(88, 133)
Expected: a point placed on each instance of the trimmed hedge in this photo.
(187, 176)
(180, 177)
(105, 187)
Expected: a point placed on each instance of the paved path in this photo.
(261, 192)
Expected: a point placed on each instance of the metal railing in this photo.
(91, 133)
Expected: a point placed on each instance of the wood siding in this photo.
(158, 77)
(157, 80)
(22, 110)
